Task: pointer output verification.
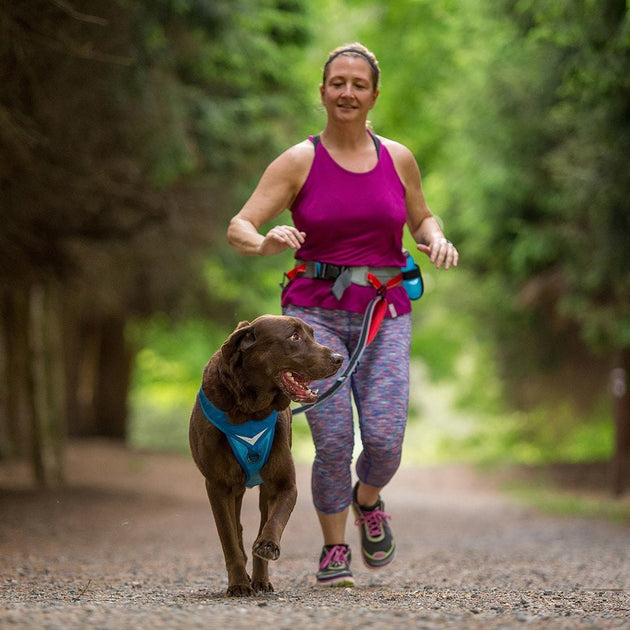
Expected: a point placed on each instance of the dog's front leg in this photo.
(277, 501)
(267, 545)
(226, 507)
(260, 573)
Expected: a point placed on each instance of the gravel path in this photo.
(131, 544)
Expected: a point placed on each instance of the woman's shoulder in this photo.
(291, 168)
(300, 153)
(292, 165)
(297, 158)
(397, 150)
(403, 159)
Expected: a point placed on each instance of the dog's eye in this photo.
(295, 337)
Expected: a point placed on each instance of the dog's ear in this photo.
(242, 338)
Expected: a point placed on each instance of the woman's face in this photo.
(348, 92)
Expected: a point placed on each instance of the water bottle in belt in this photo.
(412, 278)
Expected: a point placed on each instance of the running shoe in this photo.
(334, 566)
(377, 541)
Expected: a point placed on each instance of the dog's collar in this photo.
(251, 441)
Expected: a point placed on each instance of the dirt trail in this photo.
(131, 544)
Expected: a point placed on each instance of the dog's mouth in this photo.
(296, 387)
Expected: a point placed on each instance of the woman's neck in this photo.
(346, 138)
(352, 151)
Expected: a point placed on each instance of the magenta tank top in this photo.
(349, 219)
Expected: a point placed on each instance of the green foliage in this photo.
(589, 164)
(248, 286)
(167, 377)
(414, 63)
(565, 503)
(548, 173)
(542, 436)
(439, 337)
(217, 78)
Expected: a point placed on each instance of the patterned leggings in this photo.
(380, 387)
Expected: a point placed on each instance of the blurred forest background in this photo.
(132, 130)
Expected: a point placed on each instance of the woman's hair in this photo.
(358, 50)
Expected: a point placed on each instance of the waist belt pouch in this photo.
(412, 278)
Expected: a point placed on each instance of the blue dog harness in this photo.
(251, 441)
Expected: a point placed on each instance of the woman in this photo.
(350, 193)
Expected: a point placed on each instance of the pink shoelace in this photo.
(373, 520)
(338, 555)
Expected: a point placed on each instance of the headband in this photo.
(354, 51)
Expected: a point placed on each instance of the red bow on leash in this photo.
(381, 306)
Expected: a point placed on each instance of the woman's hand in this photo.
(280, 238)
(441, 252)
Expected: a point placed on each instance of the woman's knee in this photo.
(384, 443)
(377, 471)
(334, 449)
(331, 484)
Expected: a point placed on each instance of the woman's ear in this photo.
(376, 93)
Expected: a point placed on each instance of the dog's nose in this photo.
(337, 359)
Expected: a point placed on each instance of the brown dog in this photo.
(257, 372)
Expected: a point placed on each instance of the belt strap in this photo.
(344, 276)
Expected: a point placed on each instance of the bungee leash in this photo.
(366, 335)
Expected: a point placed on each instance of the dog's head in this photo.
(277, 357)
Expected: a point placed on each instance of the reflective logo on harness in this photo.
(251, 440)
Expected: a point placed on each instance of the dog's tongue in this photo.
(297, 387)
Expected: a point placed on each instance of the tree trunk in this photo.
(36, 377)
(621, 403)
(46, 385)
(73, 356)
(15, 345)
(114, 378)
(55, 381)
(82, 342)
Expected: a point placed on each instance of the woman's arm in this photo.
(424, 228)
(274, 193)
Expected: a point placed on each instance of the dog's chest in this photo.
(250, 442)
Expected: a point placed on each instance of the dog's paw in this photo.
(266, 550)
(263, 586)
(240, 590)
